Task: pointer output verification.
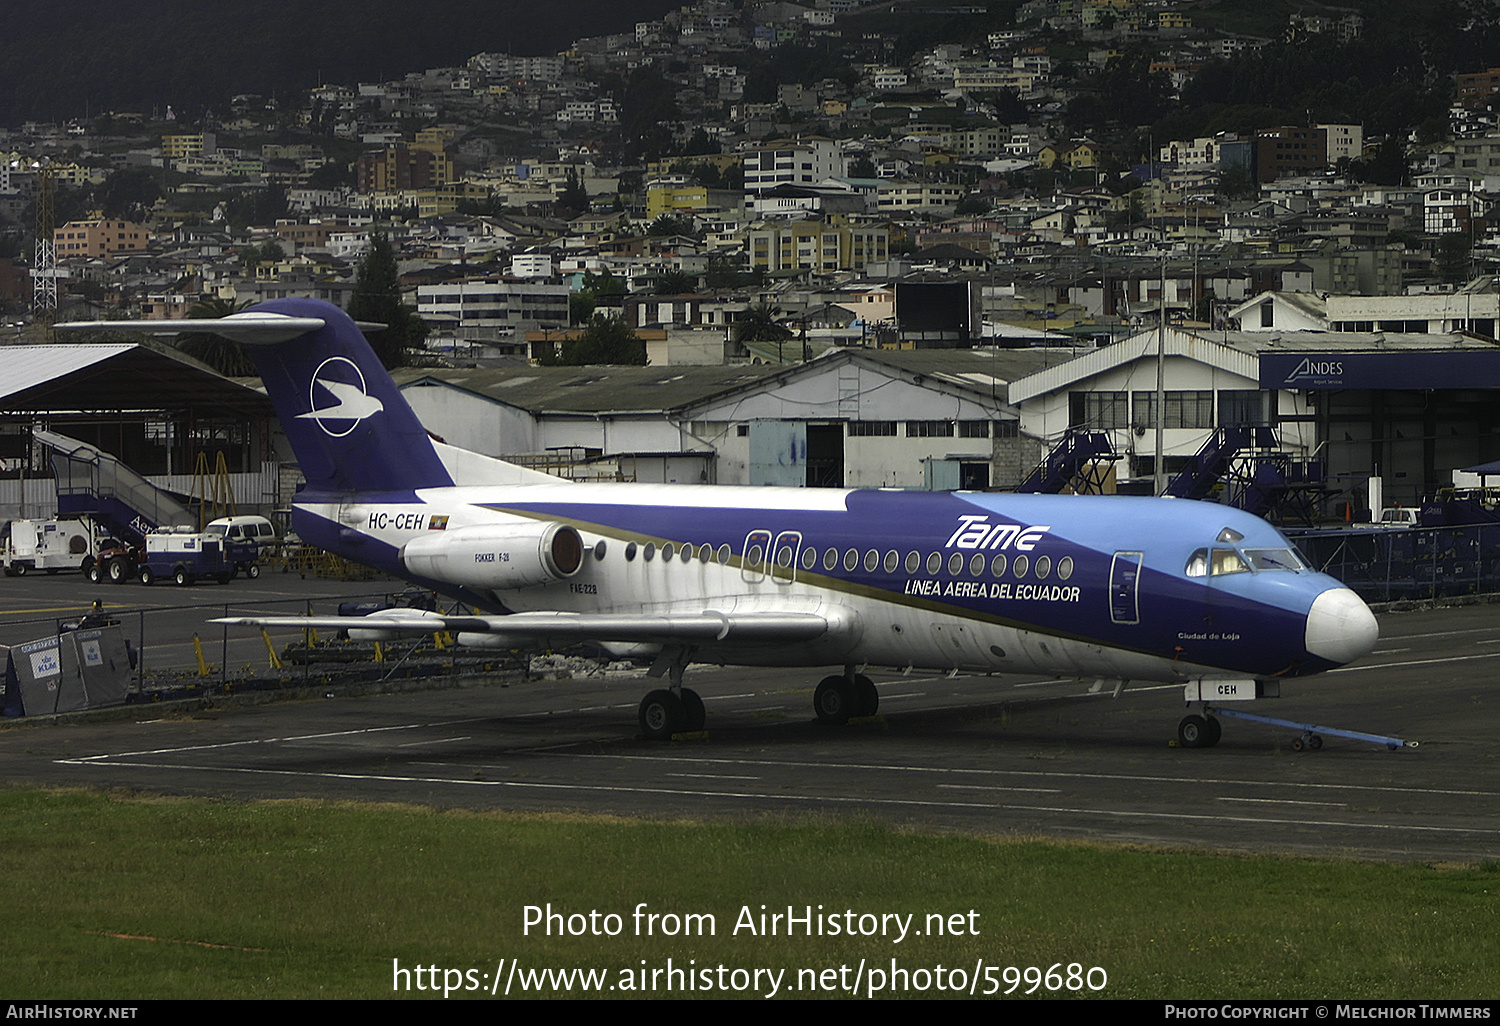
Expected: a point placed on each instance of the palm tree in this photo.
(226, 357)
(759, 324)
(674, 283)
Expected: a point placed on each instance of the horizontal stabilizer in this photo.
(250, 327)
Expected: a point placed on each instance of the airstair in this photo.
(1244, 466)
(92, 481)
(1080, 463)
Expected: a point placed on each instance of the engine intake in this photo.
(497, 556)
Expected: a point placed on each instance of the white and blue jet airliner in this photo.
(1100, 588)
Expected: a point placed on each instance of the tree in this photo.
(1452, 252)
(266, 253)
(573, 195)
(264, 207)
(670, 224)
(1386, 167)
(581, 304)
(128, 193)
(674, 283)
(377, 298)
(605, 341)
(758, 324)
(228, 358)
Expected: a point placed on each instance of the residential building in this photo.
(792, 162)
(1477, 89)
(495, 307)
(401, 167)
(1289, 151)
(826, 245)
(98, 238)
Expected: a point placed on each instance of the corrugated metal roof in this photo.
(23, 367)
(115, 377)
(592, 390)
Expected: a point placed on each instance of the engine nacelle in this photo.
(497, 556)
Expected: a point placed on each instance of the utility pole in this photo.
(1160, 484)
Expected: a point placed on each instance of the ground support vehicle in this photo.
(185, 556)
(27, 546)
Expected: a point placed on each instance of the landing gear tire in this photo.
(1215, 731)
(834, 700)
(867, 698)
(1197, 732)
(693, 713)
(662, 715)
(117, 571)
(1312, 742)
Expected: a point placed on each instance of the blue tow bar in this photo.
(1312, 733)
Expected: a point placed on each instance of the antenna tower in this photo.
(44, 267)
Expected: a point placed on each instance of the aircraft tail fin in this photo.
(348, 423)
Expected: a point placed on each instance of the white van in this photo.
(243, 529)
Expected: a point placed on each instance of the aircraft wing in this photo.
(709, 626)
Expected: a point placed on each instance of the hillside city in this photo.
(737, 175)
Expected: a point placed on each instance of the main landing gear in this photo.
(675, 709)
(839, 699)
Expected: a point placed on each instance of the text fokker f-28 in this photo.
(1104, 588)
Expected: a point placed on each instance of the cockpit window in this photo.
(1228, 561)
(1197, 564)
(1229, 535)
(1274, 559)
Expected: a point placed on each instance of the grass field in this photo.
(130, 897)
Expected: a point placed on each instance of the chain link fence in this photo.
(176, 652)
(1421, 563)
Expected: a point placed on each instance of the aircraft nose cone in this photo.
(1340, 627)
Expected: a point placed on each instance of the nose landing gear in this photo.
(1199, 731)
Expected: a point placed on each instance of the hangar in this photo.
(1404, 408)
(153, 407)
(851, 418)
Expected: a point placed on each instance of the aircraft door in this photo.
(756, 556)
(1124, 587)
(783, 556)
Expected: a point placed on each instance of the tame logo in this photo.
(341, 378)
(1310, 368)
(976, 532)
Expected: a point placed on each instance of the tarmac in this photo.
(998, 755)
